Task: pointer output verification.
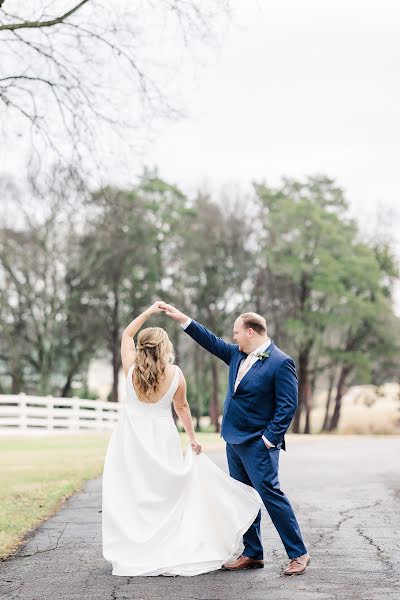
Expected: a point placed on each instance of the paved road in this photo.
(346, 492)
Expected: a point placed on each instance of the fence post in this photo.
(23, 411)
(75, 414)
(50, 413)
(99, 418)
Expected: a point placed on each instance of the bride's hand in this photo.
(173, 312)
(154, 308)
(196, 446)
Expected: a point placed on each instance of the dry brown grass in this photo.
(366, 409)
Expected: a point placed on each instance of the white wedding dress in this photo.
(165, 512)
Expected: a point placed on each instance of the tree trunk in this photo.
(259, 290)
(44, 378)
(309, 403)
(214, 403)
(328, 401)
(197, 394)
(307, 406)
(115, 346)
(116, 364)
(16, 381)
(176, 336)
(344, 373)
(303, 389)
(67, 385)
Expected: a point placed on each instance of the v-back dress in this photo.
(165, 512)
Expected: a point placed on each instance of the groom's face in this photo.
(242, 336)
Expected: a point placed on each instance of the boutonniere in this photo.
(262, 355)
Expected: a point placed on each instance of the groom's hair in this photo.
(255, 321)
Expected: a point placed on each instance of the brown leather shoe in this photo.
(243, 562)
(298, 565)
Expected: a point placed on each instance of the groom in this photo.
(259, 406)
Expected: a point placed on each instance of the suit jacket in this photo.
(266, 398)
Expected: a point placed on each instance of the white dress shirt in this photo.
(244, 366)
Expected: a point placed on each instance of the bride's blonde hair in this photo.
(154, 351)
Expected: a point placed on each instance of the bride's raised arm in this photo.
(128, 350)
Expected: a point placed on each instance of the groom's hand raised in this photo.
(173, 312)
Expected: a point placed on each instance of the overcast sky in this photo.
(298, 87)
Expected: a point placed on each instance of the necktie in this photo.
(243, 368)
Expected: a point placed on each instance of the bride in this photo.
(165, 512)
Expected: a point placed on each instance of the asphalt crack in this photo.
(329, 535)
(379, 551)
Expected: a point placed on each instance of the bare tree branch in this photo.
(41, 24)
(90, 88)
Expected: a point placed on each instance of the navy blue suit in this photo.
(263, 404)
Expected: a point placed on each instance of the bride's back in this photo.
(164, 385)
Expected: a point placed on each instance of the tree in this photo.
(365, 319)
(72, 71)
(306, 236)
(124, 258)
(41, 349)
(214, 264)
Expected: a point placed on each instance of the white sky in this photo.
(299, 87)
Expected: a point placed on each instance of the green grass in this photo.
(37, 474)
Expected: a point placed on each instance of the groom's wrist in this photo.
(185, 322)
(267, 442)
(270, 437)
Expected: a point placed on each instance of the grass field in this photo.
(38, 473)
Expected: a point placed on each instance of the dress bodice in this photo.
(160, 408)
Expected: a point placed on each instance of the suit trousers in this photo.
(256, 465)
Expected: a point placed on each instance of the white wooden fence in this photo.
(24, 414)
